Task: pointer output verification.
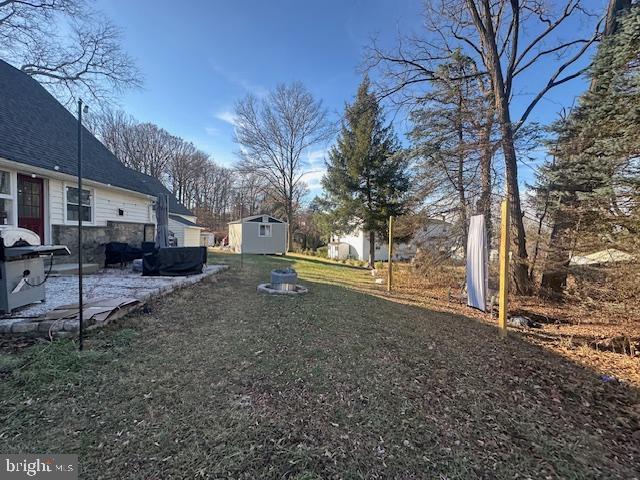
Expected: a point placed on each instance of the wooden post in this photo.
(504, 268)
(390, 259)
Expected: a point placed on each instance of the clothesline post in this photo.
(389, 260)
(504, 268)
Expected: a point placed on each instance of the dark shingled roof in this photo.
(36, 130)
(183, 221)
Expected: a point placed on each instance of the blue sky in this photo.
(200, 57)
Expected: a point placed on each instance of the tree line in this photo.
(469, 83)
(461, 79)
(216, 194)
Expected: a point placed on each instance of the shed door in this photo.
(31, 204)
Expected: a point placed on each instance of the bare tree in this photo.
(273, 135)
(69, 48)
(506, 38)
(250, 194)
(215, 194)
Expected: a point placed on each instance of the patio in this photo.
(105, 286)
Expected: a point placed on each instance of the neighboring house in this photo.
(38, 183)
(207, 239)
(603, 257)
(355, 245)
(185, 230)
(258, 234)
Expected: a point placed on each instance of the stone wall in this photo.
(94, 239)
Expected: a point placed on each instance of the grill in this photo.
(22, 275)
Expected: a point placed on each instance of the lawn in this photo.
(218, 381)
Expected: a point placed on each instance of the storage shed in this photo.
(339, 250)
(262, 234)
(185, 231)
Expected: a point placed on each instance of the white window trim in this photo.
(12, 195)
(270, 229)
(92, 197)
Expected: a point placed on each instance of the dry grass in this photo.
(345, 382)
(567, 327)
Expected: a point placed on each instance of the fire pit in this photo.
(283, 282)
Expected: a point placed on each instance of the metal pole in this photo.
(241, 235)
(504, 268)
(390, 259)
(80, 302)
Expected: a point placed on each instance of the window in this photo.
(5, 211)
(74, 202)
(5, 183)
(265, 231)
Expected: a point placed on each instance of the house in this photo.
(355, 245)
(602, 257)
(185, 230)
(263, 234)
(207, 239)
(38, 183)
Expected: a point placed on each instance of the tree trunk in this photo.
(501, 102)
(372, 249)
(462, 200)
(483, 206)
(554, 277)
(289, 231)
(521, 267)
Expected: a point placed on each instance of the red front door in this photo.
(31, 204)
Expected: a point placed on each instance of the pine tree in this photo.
(593, 189)
(366, 179)
(451, 138)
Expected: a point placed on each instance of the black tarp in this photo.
(120, 253)
(175, 261)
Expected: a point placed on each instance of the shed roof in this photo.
(253, 218)
(184, 221)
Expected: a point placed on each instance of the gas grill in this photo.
(22, 275)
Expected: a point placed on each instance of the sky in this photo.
(199, 57)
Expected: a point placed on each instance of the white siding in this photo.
(56, 202)
(358, 245)
(358, 242)
(105, 202)
(191, 237)
(178, 231)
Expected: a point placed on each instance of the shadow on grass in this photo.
(334, 384)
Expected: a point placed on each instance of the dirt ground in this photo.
(591, 335)
(218, 381)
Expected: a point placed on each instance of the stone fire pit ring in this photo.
(287, 276)
(282, 289)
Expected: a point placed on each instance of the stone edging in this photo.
(69, 327)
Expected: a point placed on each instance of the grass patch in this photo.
(219, 381)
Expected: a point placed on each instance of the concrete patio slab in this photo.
(62, 269)
(107, 284)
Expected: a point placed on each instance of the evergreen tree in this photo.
(593, 188)
(451, 138)
(366, 179)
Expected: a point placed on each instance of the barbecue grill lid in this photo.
(30, 250)
(16, 236)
